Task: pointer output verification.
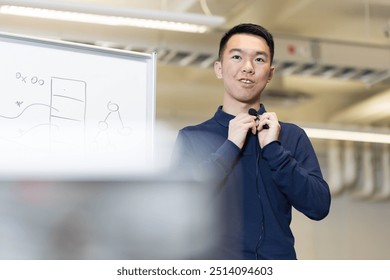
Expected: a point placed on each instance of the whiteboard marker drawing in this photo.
(19, 103)
(69, 97)
(110, 128)
(33, 80)
(114, 108)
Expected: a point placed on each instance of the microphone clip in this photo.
(253, 112)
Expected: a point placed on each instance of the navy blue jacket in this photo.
(257, 188)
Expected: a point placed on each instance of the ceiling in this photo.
(311, 36)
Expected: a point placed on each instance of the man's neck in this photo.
(236, 108)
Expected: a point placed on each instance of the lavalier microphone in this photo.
(253, 112)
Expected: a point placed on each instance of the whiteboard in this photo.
(74, 110)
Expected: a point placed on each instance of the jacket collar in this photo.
(224, 118)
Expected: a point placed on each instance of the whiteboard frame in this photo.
(148, 59)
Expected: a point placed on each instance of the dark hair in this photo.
(247, 28)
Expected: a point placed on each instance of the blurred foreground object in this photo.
(154, 218)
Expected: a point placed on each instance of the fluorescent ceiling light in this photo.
(345, 135)
(154, 19)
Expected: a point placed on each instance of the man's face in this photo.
(245, 68)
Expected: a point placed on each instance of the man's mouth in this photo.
(246, 81)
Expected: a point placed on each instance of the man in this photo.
(260, 166)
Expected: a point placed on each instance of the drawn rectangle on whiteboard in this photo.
(59, 92)
(68, 88)
(68, 101)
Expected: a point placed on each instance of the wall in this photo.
(354, 229)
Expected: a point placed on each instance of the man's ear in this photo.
(218, 69)
(271, 73)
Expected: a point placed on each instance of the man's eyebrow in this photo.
(235, 50)
(257, 52)
(262, 53)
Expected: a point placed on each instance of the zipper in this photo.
(259, 241)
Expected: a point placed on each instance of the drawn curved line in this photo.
(21, 113)
(68, 97)
(33, 128)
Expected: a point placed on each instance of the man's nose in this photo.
(248, 67)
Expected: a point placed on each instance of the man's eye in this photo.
(260, 59)
(236, 57)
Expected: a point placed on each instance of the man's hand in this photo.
(271, 134)
(239, 126)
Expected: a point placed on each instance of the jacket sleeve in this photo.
(299, 177)
(192, 158)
